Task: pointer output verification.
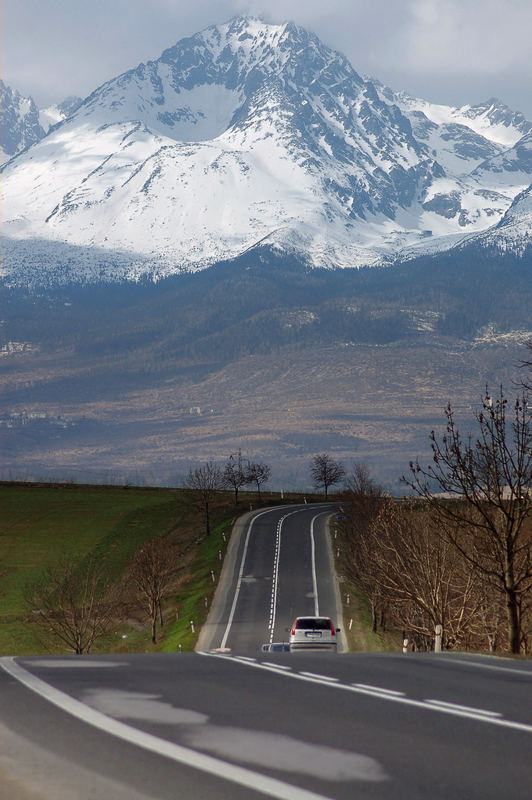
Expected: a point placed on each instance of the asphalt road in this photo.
(295, 726)
(279, 566)
(245, 724)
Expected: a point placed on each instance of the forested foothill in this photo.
(230, 348)
(252, 306)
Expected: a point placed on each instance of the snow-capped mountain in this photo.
(20, 122)
(251, 135)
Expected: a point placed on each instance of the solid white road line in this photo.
(183, 755)
(313, 562)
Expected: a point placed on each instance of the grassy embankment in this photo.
(40, 524)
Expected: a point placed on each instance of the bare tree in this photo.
(486, 482)
(424, 578)
(205, 482)
(326, 472)
(151, 570)
(235, 474)
(259, 474)
(361, 504)
(73, 604)
(412, 577)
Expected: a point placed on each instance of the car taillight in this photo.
(294, 631)
(333, 632)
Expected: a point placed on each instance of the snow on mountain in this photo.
(23, 124)
(20, 122)
(250, 134)
(514, 232)
(54, 114)
(491, 120)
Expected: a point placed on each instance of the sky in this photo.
(446, 51)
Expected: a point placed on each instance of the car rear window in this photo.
(313, 624)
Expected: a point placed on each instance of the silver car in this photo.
(317, 633)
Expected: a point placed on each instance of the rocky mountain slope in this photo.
(252, 137)
(21, 126)
(24, 124)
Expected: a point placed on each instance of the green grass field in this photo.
(40, 524)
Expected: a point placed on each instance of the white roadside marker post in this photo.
(437, 638)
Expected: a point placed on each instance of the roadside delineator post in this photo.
(192, 626)
(405, 645)
(437, 638)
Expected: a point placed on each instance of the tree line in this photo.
(458, 551)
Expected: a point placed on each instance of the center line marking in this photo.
(437, 706)
(391, 692)
(321, 677)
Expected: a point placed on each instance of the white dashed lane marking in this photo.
(390, 695)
